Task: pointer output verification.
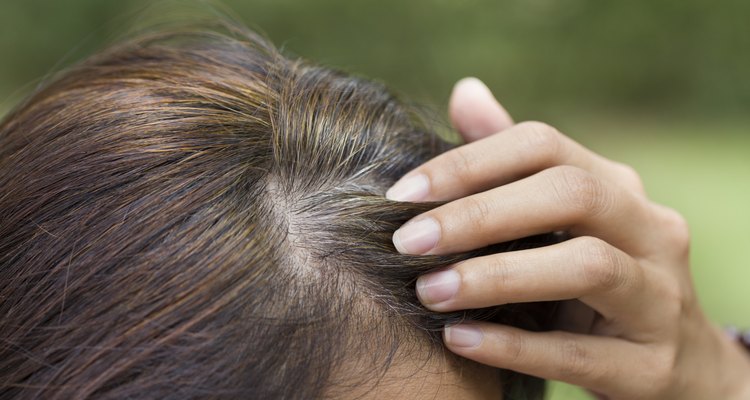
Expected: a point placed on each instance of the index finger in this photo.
(517, 152)
(556, 199)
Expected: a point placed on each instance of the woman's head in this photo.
(192, 214)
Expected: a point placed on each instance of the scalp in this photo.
(192, 214)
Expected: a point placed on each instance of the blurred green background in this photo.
(661, 85)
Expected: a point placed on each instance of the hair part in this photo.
(191, 214)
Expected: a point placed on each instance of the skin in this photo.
(416, 372)
(435, 379)
(631, 326)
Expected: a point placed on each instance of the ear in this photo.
(475, 112)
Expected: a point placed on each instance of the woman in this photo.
(192, 215)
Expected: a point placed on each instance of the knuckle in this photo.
(460, 163)
(578, 363)
(507, 280)
(514, 348)
(541, 139)
(602, 268)
(677, 230)
(478, 212)
(663, 375)
(579, 190)
(675, 299)
(631, 178)
(501, 272)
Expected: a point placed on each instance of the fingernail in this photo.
(465, 335)
(438, 287)
(409, 188)
(417, 237)
(475, 85)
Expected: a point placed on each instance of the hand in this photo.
(627, 262)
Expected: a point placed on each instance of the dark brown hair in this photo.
(191, 214)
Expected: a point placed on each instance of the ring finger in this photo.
(587, 268)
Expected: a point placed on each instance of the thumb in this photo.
(475, 112)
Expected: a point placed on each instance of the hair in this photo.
(191, 214)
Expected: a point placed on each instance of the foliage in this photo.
(543, 56)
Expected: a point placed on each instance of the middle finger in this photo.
(601, 276)
(558, 199)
